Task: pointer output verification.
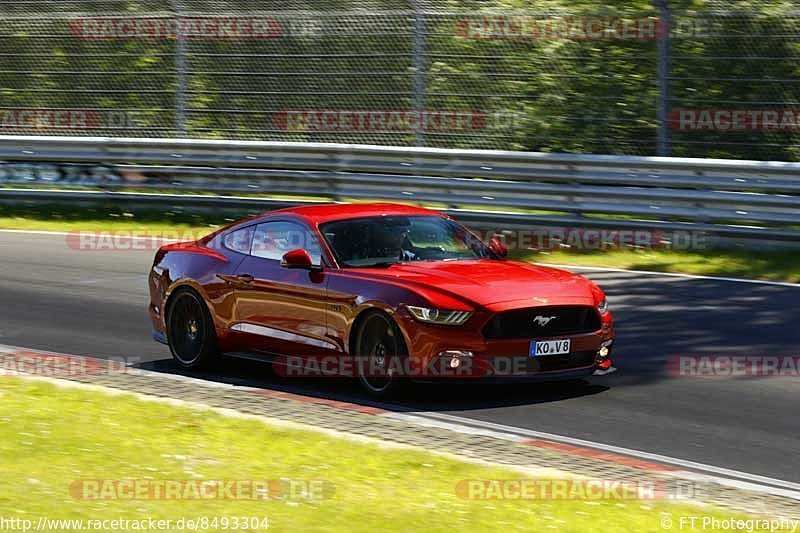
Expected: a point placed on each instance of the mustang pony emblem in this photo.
(543, 320)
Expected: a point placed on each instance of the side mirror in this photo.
(297, 259)
(497, 247)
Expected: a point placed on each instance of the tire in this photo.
(190, 330)
(379, 339)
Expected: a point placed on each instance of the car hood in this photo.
(488, 282)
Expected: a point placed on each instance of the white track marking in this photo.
(672, 275)
(468, 429)
(35, 232)
(718, 474)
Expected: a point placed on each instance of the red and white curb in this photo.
(671, 466)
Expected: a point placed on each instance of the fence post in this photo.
(418, 47)
(663, 148)
(180, 71)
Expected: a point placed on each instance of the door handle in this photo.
(242, 279)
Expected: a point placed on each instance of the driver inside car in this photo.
(392, 241)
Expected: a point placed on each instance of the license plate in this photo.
(544, 348)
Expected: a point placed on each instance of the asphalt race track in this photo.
(93, 303)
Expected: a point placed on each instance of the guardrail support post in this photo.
(180, 72)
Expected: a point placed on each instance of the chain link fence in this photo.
(684, 78)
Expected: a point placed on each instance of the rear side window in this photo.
(272, 240)
(240, 240)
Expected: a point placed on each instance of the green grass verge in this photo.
(51, 436)
(66, 217)
(767, 265)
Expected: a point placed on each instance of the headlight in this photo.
(439, 316)
(603, 307)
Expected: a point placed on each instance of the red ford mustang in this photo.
(382, 292)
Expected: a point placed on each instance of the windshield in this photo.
(386, 240)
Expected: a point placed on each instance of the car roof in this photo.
(322, 213)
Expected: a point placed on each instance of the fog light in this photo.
(455, 356)
(603, 352)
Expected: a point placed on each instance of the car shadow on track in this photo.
(656, 319)
(415, 397)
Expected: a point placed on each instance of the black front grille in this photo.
(540, 322)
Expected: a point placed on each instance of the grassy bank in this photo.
(66, 217)
(50, 437)
(767, 265)
(772, 266)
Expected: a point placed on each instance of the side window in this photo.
(273, 239)
(240, 240)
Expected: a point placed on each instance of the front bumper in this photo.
(502, 360)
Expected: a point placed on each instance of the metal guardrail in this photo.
(749, 199)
